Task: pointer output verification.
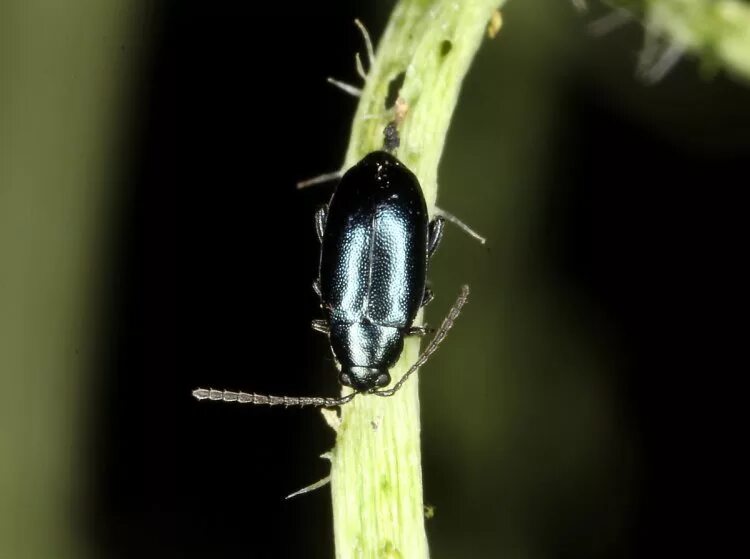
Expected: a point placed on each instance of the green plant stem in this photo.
(376, 473)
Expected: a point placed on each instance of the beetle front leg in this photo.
(435, 235)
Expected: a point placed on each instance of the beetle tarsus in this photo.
(420, 331)
(436, 228)
(320, 325)
(316, 288)
(320, 221)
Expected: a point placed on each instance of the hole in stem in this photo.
(445, 48)
(394, 86)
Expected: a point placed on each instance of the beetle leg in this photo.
(435, 235)
(427, 297)
(316, 288)
(420, 331)
(320, 325)
(320, 221)
(455, 221)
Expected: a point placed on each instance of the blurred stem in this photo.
(64, 72)
(376, 474)
(718, 31)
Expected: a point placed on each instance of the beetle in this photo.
(376, 241)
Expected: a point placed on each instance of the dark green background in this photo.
(152, 241)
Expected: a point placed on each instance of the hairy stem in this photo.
(376, 473)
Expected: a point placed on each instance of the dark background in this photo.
(560, 417)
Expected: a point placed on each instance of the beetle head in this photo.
(364, 379)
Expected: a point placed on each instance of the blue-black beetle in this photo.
(375, 244)
(376, 241)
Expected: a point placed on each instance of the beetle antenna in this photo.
(434, 343)
(267, 400)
